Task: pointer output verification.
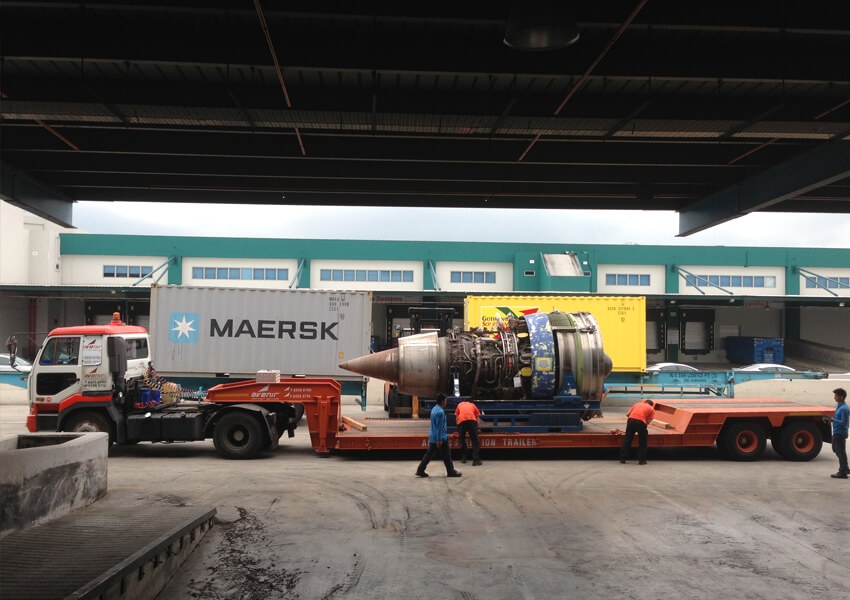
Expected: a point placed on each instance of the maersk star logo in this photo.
(183, 328)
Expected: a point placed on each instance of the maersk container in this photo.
(203, 332)
(755, 350)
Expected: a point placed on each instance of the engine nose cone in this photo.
(380, 365)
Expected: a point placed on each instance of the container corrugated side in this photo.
(622, 320)
(240, 331)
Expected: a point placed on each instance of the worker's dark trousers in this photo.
(634, 426)
(470, 427)
(433, 451)
(839, 446)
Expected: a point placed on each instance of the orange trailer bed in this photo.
(740, 426)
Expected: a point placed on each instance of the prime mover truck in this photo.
(100, 377)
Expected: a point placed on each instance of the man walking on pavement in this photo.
(466, 416)
(640, 415)
(840, 423)
(438, 440)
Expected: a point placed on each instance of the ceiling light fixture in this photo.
(539, 25)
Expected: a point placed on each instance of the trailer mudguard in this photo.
(267, 417)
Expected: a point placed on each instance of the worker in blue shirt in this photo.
(438, 440)
(840, 424)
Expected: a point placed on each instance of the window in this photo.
(725, 281)
(644, 280)
(137, 348)
(373, 275)
(747, 281)
(490, 277)
(385, 275)
(360, 275)
(395, 276)
(325, 274)
(622, 280)
(758, 281)
(259, 273)
(271, 274)
(197, 272)
(455, 277)
(348, 275)
(127, 271)
(633, 280)
(221, 273)
(61, 351)
(407, 276)
(235, 273)
(736, 281)
(283, 274)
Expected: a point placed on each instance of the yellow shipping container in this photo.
(622, 320)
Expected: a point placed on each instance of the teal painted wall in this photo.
(517, 254)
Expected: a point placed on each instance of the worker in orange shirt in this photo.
(467, 416)
(639, 417)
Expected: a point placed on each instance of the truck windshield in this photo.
(61, 351)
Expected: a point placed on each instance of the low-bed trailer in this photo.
(740, 427)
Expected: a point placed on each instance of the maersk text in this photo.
(304, 330)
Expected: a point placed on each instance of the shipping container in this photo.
(234, 332)
(755, 350)
(622, 320)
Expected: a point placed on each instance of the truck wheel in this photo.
(742, 440)
(88, 422)
(238, 435)
(799, 440)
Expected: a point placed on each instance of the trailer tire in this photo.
(742, 440)
(238, 435)
(392, 403)
(88, 421)
(799, 441)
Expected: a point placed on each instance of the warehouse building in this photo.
(696, 295)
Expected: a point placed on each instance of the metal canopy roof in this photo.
(713, 110)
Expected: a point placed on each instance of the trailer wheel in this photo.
(238, 435)
(742, 440)
(799, 441)
(88, 422)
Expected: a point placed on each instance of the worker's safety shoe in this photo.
(454, 474)
(421, 474)
(839, 475)
(476, 463)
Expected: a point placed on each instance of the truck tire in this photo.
(238, 435)
(87, 421)
(799, 441)
(742, 440)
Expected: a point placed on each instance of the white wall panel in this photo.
(239, 263)
(415, 266)
(777, 273)
(504, 276)
(656, 279)
(80, 269)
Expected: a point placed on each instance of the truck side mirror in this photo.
(116, 348)
(12, 346)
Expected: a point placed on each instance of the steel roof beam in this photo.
(816, 168)
(34, 196)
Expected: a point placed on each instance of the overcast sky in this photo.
(444, 224)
